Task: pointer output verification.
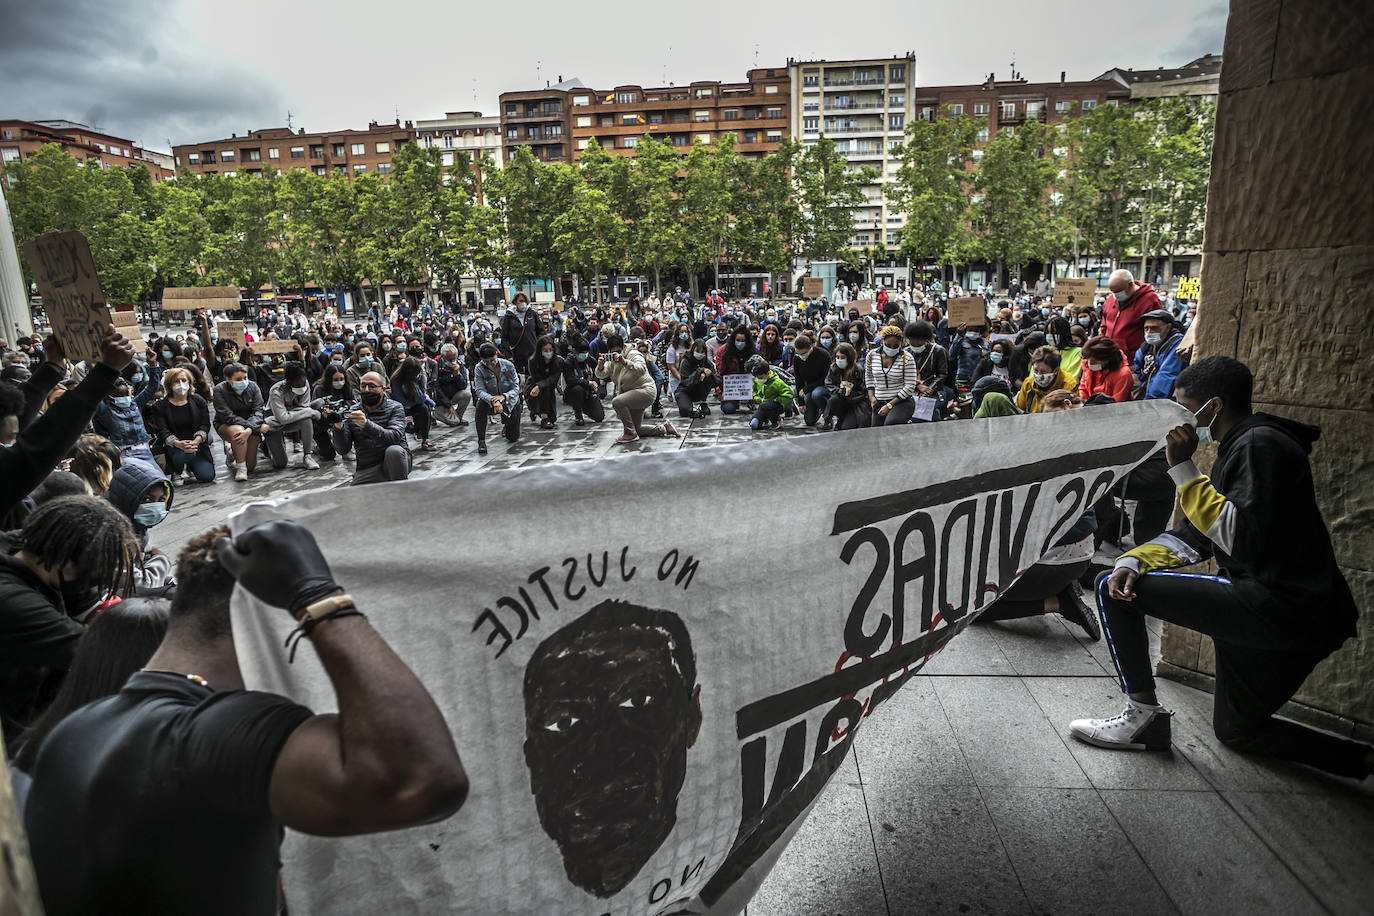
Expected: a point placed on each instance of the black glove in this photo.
(278, 563)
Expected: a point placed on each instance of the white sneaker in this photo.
(240, 472)
(1136, 728)
(309, 463)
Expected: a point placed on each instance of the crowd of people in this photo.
(124, 710)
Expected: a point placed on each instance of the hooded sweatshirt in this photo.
(127, 487)
(1257, 515)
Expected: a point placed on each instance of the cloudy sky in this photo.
(178, 71)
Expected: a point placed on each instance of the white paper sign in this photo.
(737, 387)
(644, 725)
(925, 408)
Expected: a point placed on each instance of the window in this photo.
(1089, 104)
(553, 107)
(338, 150)
(896, 73)
(427, 141)
(774, 113)
(1114, 103)
(1032, 109)
(448, 139)
(384, 168)
(1009, 111)
(359, 169)
(357, 149)
(701, 94)
(770, 89)
(703, 138)
(977, 155)
(896, 122)
(750, 136)
(701, 116)
(193, 158)
(629, 119)
(582, 144)
(896, 100)
(297, 152)
(532, 133)
(626, 98)
(317, 151)
(9, 134)
(9, 153)
(584, 120)
(980, 109)
(655, 117)
(1060, 152)
(512, 133)
(679, 139)
(320, 170)
(446, 159)
(512, 112)
(582, 100)
(1061, 107)
(273, 153)
(956, 110)
(811, 124)
(607, 121)
(207, 156)
(982, 135)
(928, 114)
(229, 174)
(631, 142)
(1011, 131)
(383, 146)
(253, 155)
(730, 114)
(774, 136)
(553, 130)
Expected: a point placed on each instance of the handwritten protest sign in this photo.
(230, 330)
(971, 310)
(865, 306)
(1074, 291)
(62, 267)
(193, 298)
(738, 387)
(268, 347)
(813, 287)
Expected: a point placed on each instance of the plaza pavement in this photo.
(964, 792)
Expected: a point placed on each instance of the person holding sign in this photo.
(847, 406)
(893, 376)
(730, 360)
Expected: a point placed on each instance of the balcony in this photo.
(856, 106)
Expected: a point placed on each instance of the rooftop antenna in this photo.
(474, 93)
(1014, 74)
(538, 66)
(288, 119)
(756, 55)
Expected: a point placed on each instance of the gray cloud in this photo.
(125, 68)
(1205, 33)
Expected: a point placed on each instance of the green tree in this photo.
(239, 248)
(931, 188)
(421, 208)
(179, 234)
(533, 195)
(828, 189)
(709, 191)
(1110, 160)
(1013, 219)
(653, 211)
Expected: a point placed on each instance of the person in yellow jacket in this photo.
(771, 392)
(1046, 376)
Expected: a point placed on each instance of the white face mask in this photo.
(180, 389)
(300, 391)
(1096, 367)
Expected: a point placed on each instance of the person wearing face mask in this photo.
(810, 367)
(334, 399)
(1280, 605)
(520, 332)
(452, 391)
(581, 388)
(676, 349)
(855, 332)
(410, 389)
(892, 376)
(181, 421)
(698, 378)
(1046, 376)
(364, 360)
(375, 431)
(996, 363)
(545, 377)
(289, 411)
(496, 385)
(635, 390)
(119, 417)
(932, 362)
(967, 348)
(730, 360)
(1105, 371)
(1157, 363)
(848, 405)
(1124, 310)
(771, 392)
(240, 418)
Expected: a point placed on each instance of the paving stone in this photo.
(974, 652)
(1042, 646)
(908, 738)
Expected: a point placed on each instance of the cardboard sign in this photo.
(813, 287)
(865, 306)
(193, 298)
(124, 318)
(268, 347)
(1074, 291)
(545, 297)
(556, 306)
(971, 310)
(230, 330)
(1189, 288)
(737, 387)
(62, 267)
(1010, 338)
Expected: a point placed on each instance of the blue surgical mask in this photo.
(972, 335)
(1153, 338)
(827, 342)
(740, 344)
(137, 377)
(400, 348)
(1085, 321)
(166, 354)
(684, 337)
(1122, 296)
(149, 514)
(842, 362)
(1204, 433)
(496, 340)
(582, 357)
(364, 361)
(891, 351)
(241, 385)
(995, 356)
(125, 401)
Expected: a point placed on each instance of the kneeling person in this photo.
(378, 431)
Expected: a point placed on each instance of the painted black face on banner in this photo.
(611, 707)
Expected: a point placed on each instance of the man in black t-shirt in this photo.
(171, 795)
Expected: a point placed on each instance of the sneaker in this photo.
(481, 448)
(1137, 728)
(658, 410)
(428, 446)
(705, 410)
(309, 463)
(1074, 609)
(547, 424)
(627, 438)
(671, 430)
(240, 473)
(754, 425)
(828, 425)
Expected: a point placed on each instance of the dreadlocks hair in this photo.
(203, 586)
(88, 533)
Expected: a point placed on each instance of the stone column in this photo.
(1288, 284)
(14, 300)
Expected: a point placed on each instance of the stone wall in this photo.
(1288, 283)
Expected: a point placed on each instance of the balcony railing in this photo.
(859, 106)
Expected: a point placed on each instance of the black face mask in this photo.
(371, 398)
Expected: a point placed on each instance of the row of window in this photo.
(208, 157)
(630, 96)
(842, 125)
(447, 142)
(772, 136)
(548, 132)
(1033, 109)
(383, 168)
(896, 73)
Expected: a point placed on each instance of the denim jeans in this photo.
(766, 412)
(177, 461)
(816, 399)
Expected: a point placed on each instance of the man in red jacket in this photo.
(1123, 314)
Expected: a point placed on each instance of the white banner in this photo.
(650, 686)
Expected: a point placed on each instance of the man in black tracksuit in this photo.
(1279, 605)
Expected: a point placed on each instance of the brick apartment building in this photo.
(756, 111)
(1013, 103)
(21, 139)
(538, 118)
(351, 152)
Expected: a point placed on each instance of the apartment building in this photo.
(462, 133)
(864, 106)
(21, 139)
(756, 111)
(1200, 77)
(350, 152)
(539, 119)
